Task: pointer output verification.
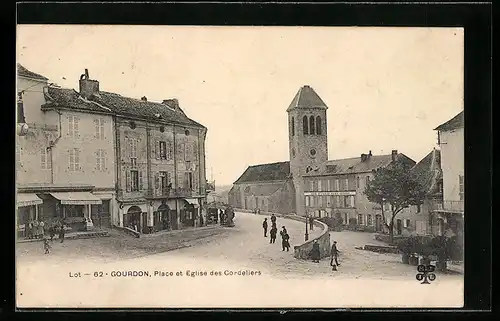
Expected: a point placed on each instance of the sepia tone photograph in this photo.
(239, 167)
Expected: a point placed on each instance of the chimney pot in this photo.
(370, 153)
(144, 98)
(363, 157)
(88, 87)
(394, 154)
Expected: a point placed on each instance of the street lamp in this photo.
(306, 236)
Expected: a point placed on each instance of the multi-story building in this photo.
(310, 184)
(450, 214)
(64, 166)
(160, 161)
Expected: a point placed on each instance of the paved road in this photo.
(253, 273)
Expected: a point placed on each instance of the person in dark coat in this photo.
(311, 223)
(61, 232)
(273, 219)
(46, 245)
(285, 239)
(334, 253)
(272, 233)
(264, 226)
(315, 253)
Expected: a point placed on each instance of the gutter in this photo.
(51, 146)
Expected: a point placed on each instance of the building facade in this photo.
(160, 161)
(64, 160)
(310, 184)
(450, 214)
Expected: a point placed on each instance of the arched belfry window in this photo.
(305, 125)
(318, 125)
(311, 125)
(293, 126)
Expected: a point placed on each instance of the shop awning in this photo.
(28, 199)
(192, 201)
(77, 198)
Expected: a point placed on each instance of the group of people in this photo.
(315, 253)
(37, 229)
(285, 237)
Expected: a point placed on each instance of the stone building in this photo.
(65, 157)
(310, 184)
(160, 161)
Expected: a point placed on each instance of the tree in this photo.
(396, 185)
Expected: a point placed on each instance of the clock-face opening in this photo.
(312, 152)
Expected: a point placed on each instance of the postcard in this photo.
(239, 167)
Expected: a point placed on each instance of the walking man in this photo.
(264, 226)
(273, 219)
(62, 232)
(285, 244)
(272, 233)
(334, 254)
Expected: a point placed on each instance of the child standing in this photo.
(46, 245)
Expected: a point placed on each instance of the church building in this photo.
(309, 183)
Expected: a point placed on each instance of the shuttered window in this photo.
(99, 128)
(169, 150)
(128, 183)
(73, 126)
(45, 161)
(74, 159)
(101, 160)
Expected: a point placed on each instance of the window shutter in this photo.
(157, 181)
(140, 181)
(169, 178)
(186, 180)
(127, 180)
(43, 158)
(71, 159)
(104, 160)
(97, 160)
(96, 124)
(75, 124)
(157, 149)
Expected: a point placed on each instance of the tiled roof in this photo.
(22, 71)
(265, 173)
(306, 97)
(428, 171)
(454, 123)
(262, 189)
(116, 104)
(70, 98)
(355, 165)
(147, 109)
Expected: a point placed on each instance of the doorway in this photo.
(133, 218)
(378, 223)
(399, 227)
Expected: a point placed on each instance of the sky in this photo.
(385, 88)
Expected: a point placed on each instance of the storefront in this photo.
(27, 210)
(189, 212)
(75, 208)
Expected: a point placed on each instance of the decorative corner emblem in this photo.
(425, 273)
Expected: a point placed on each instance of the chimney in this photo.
(174, 103)
(88, 87)
(144, 98)
(394, 154)
(363, 157)
(369, 153)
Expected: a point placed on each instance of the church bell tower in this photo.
(308, 140)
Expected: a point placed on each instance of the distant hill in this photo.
(223, 192)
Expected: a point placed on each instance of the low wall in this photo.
(303, 251)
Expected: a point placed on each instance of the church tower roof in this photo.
(306, 97)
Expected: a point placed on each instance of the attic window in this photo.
(132, 125)
(162, 129)
(186, 132)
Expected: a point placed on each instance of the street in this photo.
(281, 278)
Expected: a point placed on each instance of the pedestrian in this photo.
(61, 232)
(315, 253)
(41, 226)
(334, 253)
(36, 229)
(285, 244)
(29, 230)
(46, 245)
(311, 223)
(264, 226)
(272, 233)
(273, 219)
(52, 231)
